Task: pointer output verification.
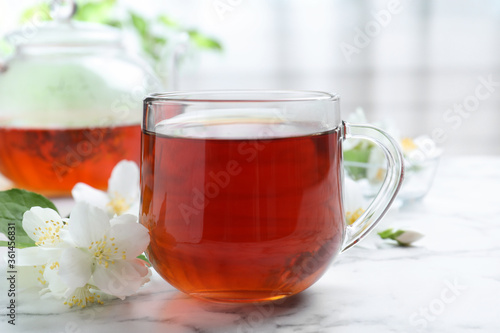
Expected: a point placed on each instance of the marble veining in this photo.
(448, 282)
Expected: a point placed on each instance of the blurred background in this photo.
(431, 67)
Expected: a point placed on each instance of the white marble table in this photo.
(448, 282)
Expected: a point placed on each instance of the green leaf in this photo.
(101, 11)
(40, 11)
(88, 11)
(115, 23)
(143, 257)
(13, 204)
(159, 40)
(18, 245)
(140, 24)
(359, 154)
(385, 234)
(397, 233)
(168, 22)
(390, 234)
(98, 11)
(204, 42)
(5, 48)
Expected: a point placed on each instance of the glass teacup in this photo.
(242, 190)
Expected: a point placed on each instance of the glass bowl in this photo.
(419, 176)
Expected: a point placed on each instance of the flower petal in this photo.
(66, 240)
(131, 238)
(134, 208)
(123, 219)
(37, 218)
(87, 224)
(408, 237)
(124, 181)
(353, 195)
(376, 167)
(28, 276)
(82, 192)
(75, 267)
(81, 297)
(122, 278)
(32, 256)
(55, 284)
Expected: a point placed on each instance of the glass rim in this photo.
(252, 96)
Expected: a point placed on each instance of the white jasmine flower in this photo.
(353, 200)
(82, 297)
(123, 193)
(53, 286)
(408, 237)
(376, 166)
(75, 259)
(44, 226)
(403, 237)
(30, 276)
(48, 230)
(105, 252)
(421, 148)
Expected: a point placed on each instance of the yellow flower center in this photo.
(49, 234)
(82, 296)
(40, 278)
(118, 205)
(408, 145)
(54, 265)
(103, 250)
(353, 216)
(380, 175)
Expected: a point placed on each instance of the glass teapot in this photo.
(70, 104)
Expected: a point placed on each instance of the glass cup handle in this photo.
(390, 187)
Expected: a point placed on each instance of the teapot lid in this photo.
(63, 31)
